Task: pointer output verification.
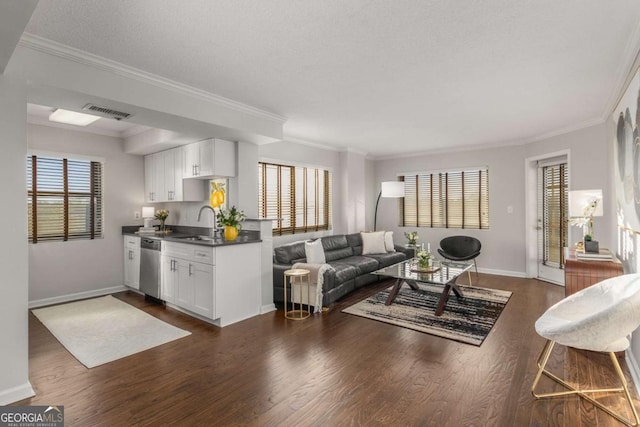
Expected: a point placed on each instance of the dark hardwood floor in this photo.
(332, 369)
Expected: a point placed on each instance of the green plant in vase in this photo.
(412, 237)
(231, 219)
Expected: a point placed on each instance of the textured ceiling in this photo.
(383, 77)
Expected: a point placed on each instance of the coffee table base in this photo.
(450, 286)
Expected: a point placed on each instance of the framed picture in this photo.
(218, 192)
(626, 146)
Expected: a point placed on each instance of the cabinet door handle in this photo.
(190, 265)
(130, 254)
(193, 170)
(173, 266)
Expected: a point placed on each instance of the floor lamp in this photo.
(389, 189)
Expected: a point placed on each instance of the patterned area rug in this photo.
(468, 320)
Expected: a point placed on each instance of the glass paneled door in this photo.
(553, 180)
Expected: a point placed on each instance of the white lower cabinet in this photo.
(132, 261)
(169, 278)
(222, 284)
(188, 277)
(238, 284)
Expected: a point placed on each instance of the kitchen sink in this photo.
(197, 238)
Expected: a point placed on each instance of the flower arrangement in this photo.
(231, 217)
(424, 258)
(162, 214)
(586, 221)
(412, 237)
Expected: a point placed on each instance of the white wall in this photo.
(14, 383)
(353, 192)
(503, 244)
(588, 169)
(503, 249)
(62, 268)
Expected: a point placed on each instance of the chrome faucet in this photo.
(214, 230)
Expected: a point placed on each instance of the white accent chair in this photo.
(598, 318)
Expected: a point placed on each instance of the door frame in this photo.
(531, 208)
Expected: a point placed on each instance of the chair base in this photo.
(542, 362)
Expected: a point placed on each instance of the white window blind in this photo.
(64, 199)
(446, 199)
(300, 197)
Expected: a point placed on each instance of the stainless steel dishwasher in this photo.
(150, 267)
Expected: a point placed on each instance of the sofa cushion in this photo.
(338, 254)
(343, 272)
(337, 241)
(287, 254)
(355, 241)
(363, 264)
(373, 243)
(314, 251)
(388, 241)
(385, 260)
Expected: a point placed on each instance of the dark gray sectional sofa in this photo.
(351, 269)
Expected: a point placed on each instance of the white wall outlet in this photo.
(137, 215)
(509, 209)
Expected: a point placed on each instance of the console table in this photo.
(580, 274)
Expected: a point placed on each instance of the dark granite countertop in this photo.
(195, 236)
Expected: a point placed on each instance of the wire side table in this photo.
(298, 277)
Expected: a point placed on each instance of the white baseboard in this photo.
(267, 308)
(502, 272)
(632, 364)
(15, 394)
(76, 296)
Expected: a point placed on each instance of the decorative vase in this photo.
(162, 227)
(424, 264)
(591, 246)
(230, 232)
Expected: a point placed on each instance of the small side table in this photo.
(297, 277)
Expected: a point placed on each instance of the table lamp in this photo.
(148, 213)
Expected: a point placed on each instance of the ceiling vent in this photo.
(107, 112)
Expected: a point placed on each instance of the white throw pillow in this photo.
(373, 243)
(314, 252)
(388, 241)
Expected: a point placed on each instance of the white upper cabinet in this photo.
(210, 158)
(153, 169)
(163, 179)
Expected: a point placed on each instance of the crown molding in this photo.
(41, 44)
(626, 71)
(299, 141)
(563, 131)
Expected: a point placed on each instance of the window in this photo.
(447, 199)
(64, 199)
(299, 196)
(553, 199)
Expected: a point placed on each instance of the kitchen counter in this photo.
(195, 236)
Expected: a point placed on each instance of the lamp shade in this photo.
(392, 189)
(580, 202)
(148, 212)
